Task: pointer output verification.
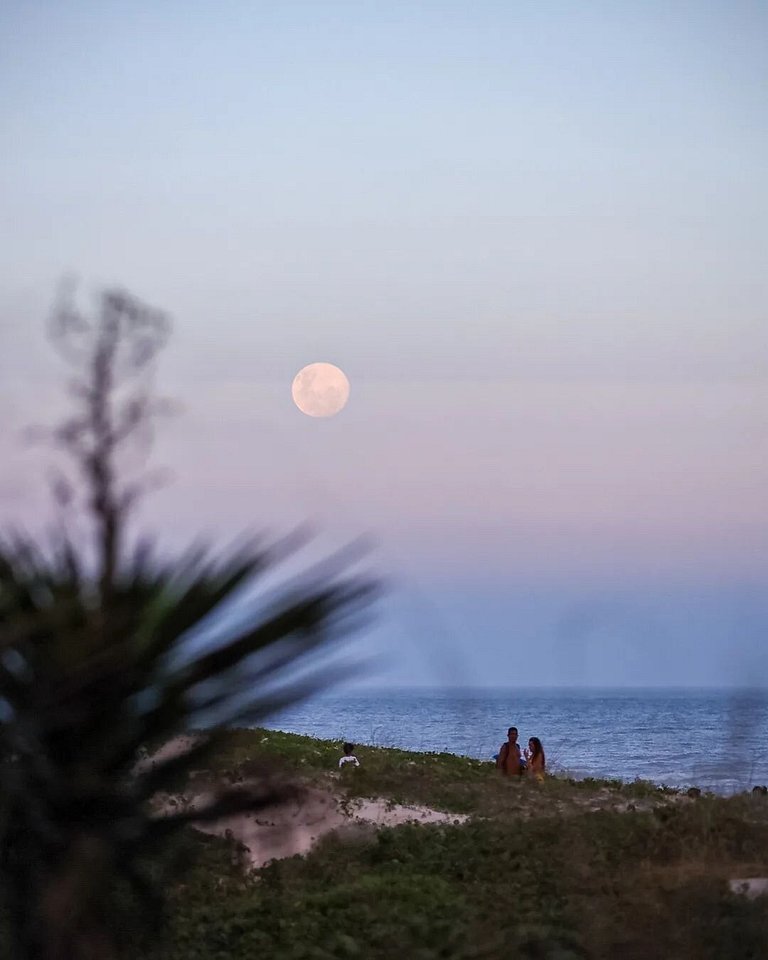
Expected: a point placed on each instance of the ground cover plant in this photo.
(564, 870)
(441, 780)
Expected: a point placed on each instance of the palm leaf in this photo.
(105, 653)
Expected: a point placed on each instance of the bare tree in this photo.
(95, 659)
(110, 356)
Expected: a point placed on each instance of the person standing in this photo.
(535, 759)
(509, 760)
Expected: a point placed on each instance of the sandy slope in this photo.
(293, 827)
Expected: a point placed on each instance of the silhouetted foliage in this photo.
(96, 662)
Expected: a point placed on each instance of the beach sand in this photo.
(293, 827)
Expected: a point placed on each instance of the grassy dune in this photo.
(560, 870)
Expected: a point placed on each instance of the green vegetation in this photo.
(443, 781)
(555, 870)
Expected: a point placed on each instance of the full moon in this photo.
(320, 390)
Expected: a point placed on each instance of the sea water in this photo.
(714, 739)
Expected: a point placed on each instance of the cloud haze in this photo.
(533, 239)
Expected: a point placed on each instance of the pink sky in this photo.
(534, 241)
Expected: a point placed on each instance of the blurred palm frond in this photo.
(108, 652)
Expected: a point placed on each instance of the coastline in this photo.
(435, 855)
(391, 788)
(713, 739)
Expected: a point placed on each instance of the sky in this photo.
(533, 235)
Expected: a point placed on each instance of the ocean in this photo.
(714, 739)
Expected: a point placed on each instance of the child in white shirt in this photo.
(349, 756)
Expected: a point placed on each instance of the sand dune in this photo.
(291, 828)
